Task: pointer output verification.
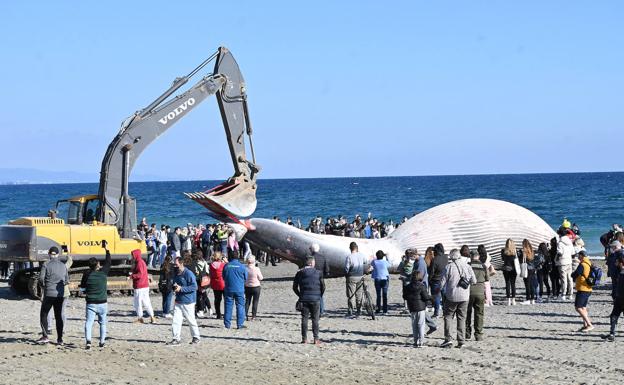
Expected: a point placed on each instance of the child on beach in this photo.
(417, 298)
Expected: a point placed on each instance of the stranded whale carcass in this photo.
(464, 222)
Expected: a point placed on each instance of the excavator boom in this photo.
(235, 197)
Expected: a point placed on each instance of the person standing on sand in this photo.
(216, 280)
(565, 249)
(456, 283)
(320, 264)
(485, 259)
(583, 290)
(618, 299)
(53, 277)
(309, 286)
(354, 272)
(165, 286)
(252, 287)
(438, 267)
(381, 276)
(476, 301)
(510, 264)
(185, 289)
(234, 276)
(417, 298)
(140, 284)
(93, 283)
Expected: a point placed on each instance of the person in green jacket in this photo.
(94, 285)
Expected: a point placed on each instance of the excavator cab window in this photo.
(70, 211)
(91, 208)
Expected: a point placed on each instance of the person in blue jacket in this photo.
(185, 289)
(234, 275)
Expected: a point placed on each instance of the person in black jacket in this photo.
(309, 287)
(438, 267)
(417, 298)
(165, 286)
(321, 265)
(618, 300)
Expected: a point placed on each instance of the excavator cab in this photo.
(83, 209)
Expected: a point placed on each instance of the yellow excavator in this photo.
(78, 225)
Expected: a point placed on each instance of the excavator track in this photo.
(25, 282)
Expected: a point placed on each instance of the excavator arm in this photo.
(236, 197)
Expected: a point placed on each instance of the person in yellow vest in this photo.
(583, 290)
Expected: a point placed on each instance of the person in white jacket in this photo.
(565, 250)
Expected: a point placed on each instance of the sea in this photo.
(594, 201)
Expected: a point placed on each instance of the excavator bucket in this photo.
(233, 199)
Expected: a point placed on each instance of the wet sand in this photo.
(523, 344)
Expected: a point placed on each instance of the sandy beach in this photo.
(537, 344)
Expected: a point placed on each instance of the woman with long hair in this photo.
(530, 282)
(485, 259)
(216, 280)
(509, 256)
(165, 286)
(202, 271)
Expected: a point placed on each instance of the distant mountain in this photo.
(34, 176)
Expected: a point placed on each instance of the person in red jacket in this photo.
(216, 280)
(140, 284)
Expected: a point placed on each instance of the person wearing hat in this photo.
(53, 277)
(381, 276)
(583, 290)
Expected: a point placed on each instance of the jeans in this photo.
(542, 280)
(167, 302)
(47, 304)
(100, 310)
(141, 298)
(353, 290)
(418, 326)
(162, 254)
(310, 309)
(230, 299)
(554, 280)
(531, 285)
(476, 306)
(510, 283)
(184, 312)
(218, 296)
(224, 248)
(457, 309)
(381, 288)
(252, 293)
(436, 293)
(322, 310)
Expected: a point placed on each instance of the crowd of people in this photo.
(455, 285)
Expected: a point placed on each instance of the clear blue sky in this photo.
(353, 88)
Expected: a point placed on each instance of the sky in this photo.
(335, 89)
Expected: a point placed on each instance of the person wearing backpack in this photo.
(583, 290)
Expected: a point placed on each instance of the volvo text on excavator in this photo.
(79, 224)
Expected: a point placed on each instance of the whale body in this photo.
(463, 222)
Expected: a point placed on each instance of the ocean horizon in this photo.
(591, 199)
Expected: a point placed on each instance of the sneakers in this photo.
(317, 342)
(446, 344)
(88, 345)
(513, 302)
(459, 345)
(609, 337)
(168, 316)
(195, 341)
(525, 302)
(43, 340)
(152, 320)
(102, 344)
(173, 343)
(139, 321)
(303, 341)
(431, 331)
(200, 314)
(60, 342)
(210, 312)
